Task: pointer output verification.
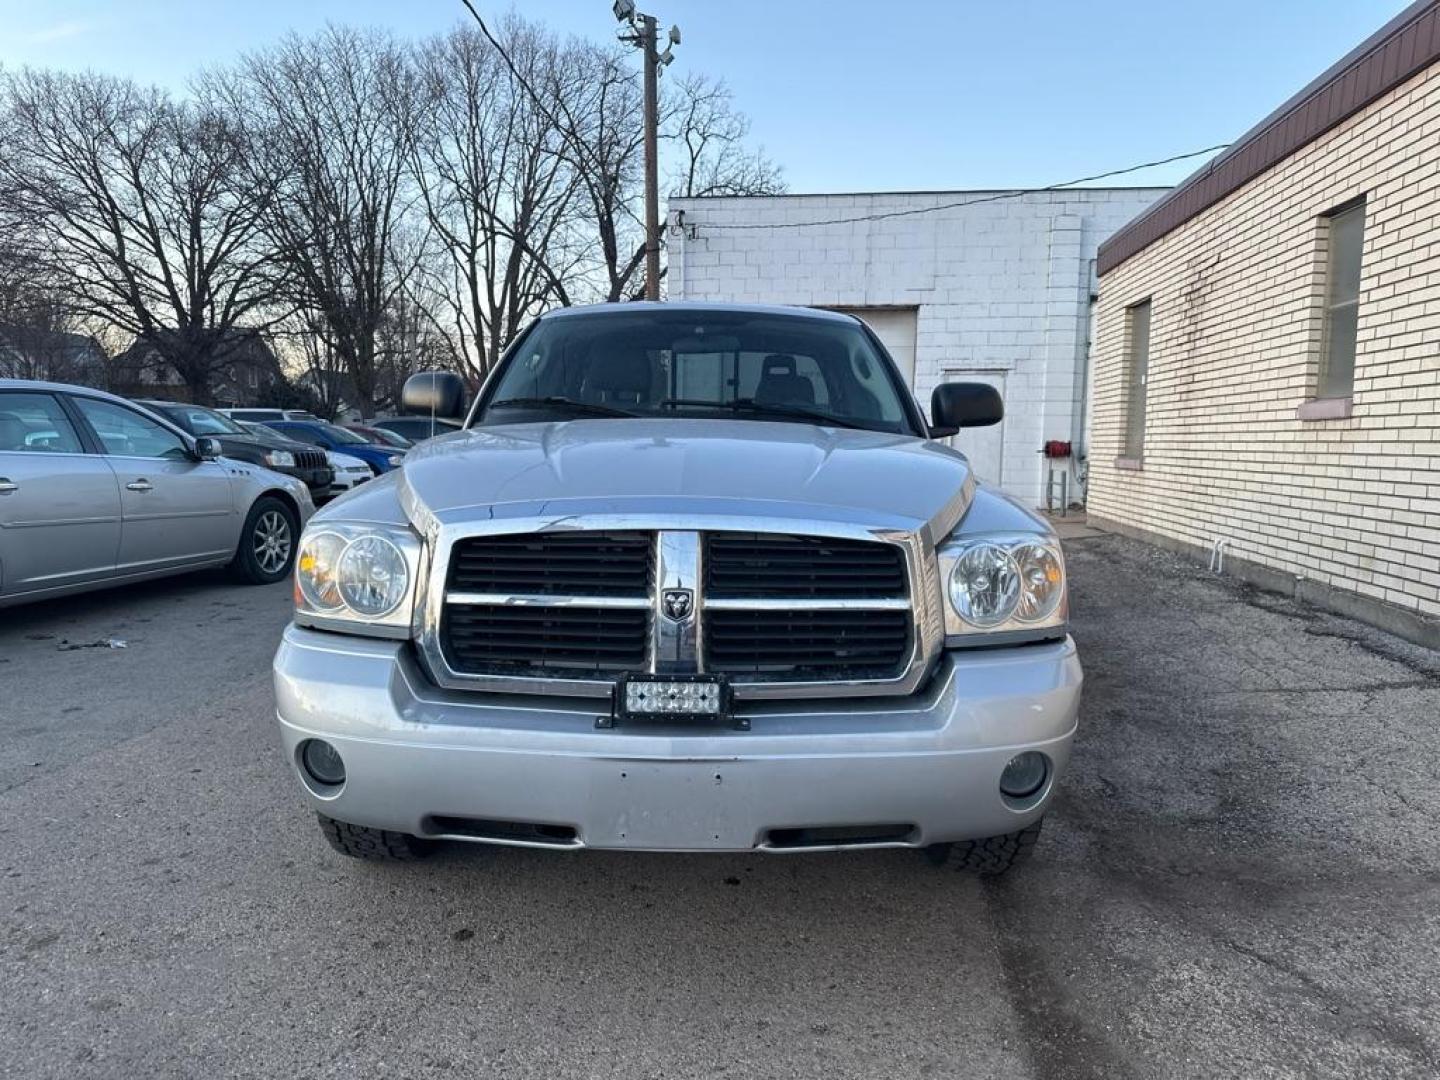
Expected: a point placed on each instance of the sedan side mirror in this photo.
(207, 449)
(959, 405)
(434, 393)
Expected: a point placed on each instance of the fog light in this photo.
(1025, 774)
(322, 762)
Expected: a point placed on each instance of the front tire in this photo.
(989, 857)
(373, 845)
(267, 542)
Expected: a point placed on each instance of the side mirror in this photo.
(207, 449)
(957, 405)
(434, 393)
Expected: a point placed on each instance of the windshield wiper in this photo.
(585, 408)
(762, 408)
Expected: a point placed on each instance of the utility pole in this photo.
(644, 35)
(652, 169)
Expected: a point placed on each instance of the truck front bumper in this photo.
(806, 775)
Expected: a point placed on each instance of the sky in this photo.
(846, 95)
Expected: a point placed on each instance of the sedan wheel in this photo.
(273, 540)
(267, 545)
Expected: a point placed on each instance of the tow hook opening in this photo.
(839, 836)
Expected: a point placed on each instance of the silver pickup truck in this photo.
(691, 578)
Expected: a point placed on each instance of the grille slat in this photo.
(555, 564)
(487, 639)
(797, 643)
(768, 566)
(310, 459)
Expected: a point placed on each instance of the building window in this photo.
(1345, 236)
(1138, 357)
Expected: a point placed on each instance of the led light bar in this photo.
(642, 696)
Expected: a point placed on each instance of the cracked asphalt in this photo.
(1241, 878)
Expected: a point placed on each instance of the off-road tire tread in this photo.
(376, 845)
(991, 856)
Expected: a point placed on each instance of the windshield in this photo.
(340, 435)
(748, 365)
(201, 421)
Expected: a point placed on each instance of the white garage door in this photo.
(895, 327)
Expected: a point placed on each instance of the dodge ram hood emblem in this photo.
(677, 604)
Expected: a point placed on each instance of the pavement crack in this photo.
(1398, 1036)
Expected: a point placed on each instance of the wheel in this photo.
(989, 857)
(267, 543)
(377, 845)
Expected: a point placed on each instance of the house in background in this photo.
(1267, 365)
(247, 372)
(971, 285)
(52, 355)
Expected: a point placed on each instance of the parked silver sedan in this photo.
(95, 491)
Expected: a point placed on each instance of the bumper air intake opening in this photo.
(840, 836)
(514, 832)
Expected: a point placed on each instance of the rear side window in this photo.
(35, 423)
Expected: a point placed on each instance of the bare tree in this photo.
(598, 107)
(330, 122)
(136, 207)
(706, 137)
(498, 190)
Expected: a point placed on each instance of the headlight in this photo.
(357, 578)
(315, 569)
(1011, 584)
(372, 576)
(396, 459)
(283, 458)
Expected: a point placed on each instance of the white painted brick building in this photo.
(998, 290)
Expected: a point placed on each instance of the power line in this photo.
(565, 131)
(997, 197)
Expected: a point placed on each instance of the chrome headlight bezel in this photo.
(1047, 621)
(317, 609)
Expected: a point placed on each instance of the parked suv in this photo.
(305, 463)
(693, 578)
(334, 437)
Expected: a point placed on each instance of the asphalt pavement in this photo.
(1241, 879)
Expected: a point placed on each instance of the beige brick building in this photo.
(1237, 397)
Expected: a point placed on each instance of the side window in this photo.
(125, 433)
(35, 423)
(1346, 236)
(302, 435)
(1138, 364)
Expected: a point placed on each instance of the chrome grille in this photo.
(781, 614)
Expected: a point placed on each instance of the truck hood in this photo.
(725, 468)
